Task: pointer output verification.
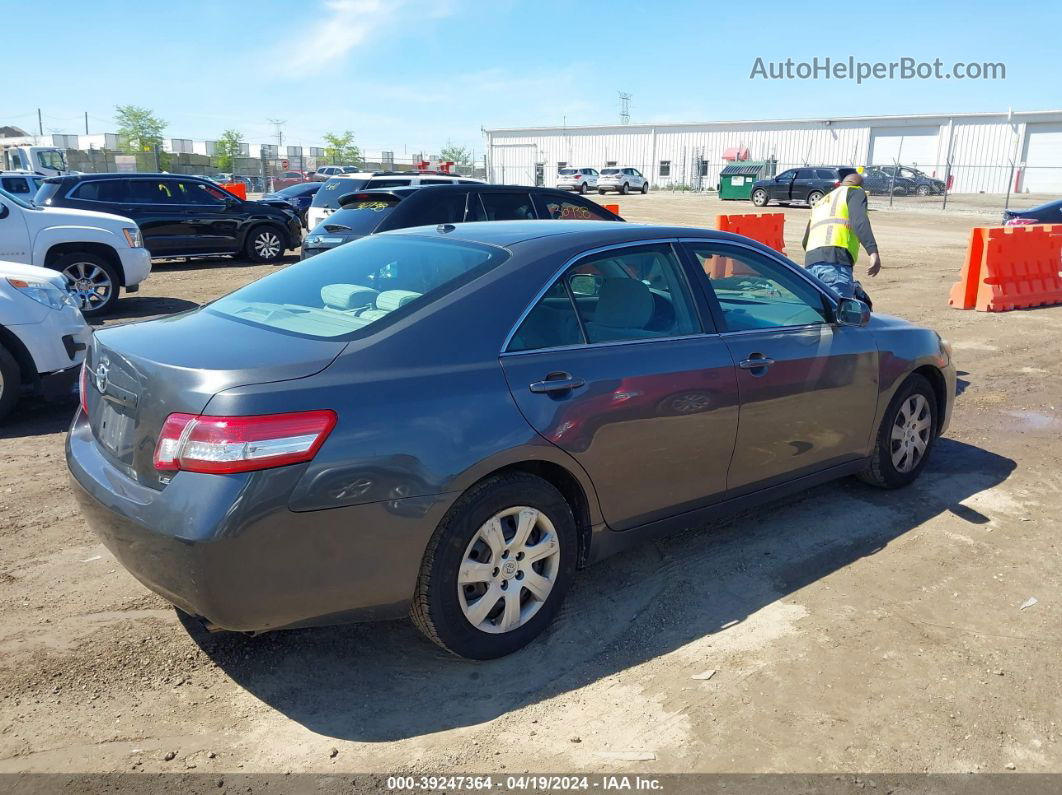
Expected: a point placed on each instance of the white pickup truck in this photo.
(98, 253)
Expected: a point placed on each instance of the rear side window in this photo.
(558, 208)
(434, 207)
(332, 189)
(153, 191)
(388, 183)
(436, 181)
(805, 173)
(825, 173)
(102, 190)
(349, 290)
(503, 207)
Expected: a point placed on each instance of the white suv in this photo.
(578, 179)
(98, 253)
(43, 336)
(326, 200)
(622, 179)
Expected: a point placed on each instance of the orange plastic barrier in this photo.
(237, 189)
(767, 228)
(614, 208)
(1010, 267)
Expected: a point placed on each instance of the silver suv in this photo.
(579, 179)
(622, 179)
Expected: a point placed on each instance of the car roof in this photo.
(125, 175)
(593, 233)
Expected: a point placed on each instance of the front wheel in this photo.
(645, 187)
(760, 198)
(496, 570)
(91, 280)
(922, 190)
(905, 437)
(264, 245)
(10, 382)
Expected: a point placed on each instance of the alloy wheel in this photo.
(89, 284)
(911, 433)
(267, 245)
(508, 570)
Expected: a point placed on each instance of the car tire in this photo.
(601, 191)
(922, 190)
(453, 614)
(625, 188)
(910, 417)
(10, 382)
(92, 281)
(264, 244)
(645, 188)
(582, 189)
(760, 197)
(813, 197)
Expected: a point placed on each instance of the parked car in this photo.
(805, 185)
(438, 420)
(98, 253)
(294, 197)
(43, 336)
(324, 172)
(381, 209)
(288, 178)
(326, 201)
(622, 180)
(578, 179)
(20, 183)
(181, 216)
(1050, 213)
(905, 181)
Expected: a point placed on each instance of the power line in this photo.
(279, 125)
(625, 107)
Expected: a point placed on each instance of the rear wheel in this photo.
(601, 191)
(582, 188)
(264, 244)
(497, 568)
(814, 196)
(91, 280)
(625, 188)
(760, 198)
(906, 436)
(10, 382)
(645, 187)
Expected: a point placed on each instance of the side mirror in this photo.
(852, 312)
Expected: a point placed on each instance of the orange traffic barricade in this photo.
(767, 228)
(237, 189)
(612, 208)
(1010, 267)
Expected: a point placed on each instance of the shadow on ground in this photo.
(385, 682)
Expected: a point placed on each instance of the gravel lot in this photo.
(850, 629)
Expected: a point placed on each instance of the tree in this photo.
(458, 155)
(227, 149)
(139, 129)
(340, 149)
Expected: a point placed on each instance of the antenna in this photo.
(279, 124)
(625, 107)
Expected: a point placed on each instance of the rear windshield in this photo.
(332, 189)
(298, 190)
(349, 290)
(358, 218)
(610, 171)
(46, 191)
(567, 171)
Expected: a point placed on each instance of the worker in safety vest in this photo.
(838, 225)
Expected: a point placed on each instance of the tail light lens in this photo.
(1018, 221)
(578, 176)
(82, 386)
(837, 183)
(223, 445)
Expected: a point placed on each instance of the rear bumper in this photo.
(228, 549)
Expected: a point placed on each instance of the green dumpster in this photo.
(735, 180)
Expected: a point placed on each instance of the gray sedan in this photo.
(450, 421)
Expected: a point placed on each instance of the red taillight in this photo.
(223, 445)
(837, 183)
(1018, 221)
(578, 176)
(82, 386)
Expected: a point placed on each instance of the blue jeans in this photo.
(837, 277)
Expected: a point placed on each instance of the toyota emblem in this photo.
(101, 375)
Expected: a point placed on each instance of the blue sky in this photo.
(407, 75)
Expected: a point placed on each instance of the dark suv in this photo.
(364, 212)
(180, 216)
(903, 181)
(806, 185)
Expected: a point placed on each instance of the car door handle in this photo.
(755, 362)
(557, 382)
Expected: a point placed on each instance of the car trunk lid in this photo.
(136, 379)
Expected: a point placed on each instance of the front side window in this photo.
(353, 287)
(504, 207)
(198, 193)
(152, 191)
(52, 159)
(785, 176)
(756, 292)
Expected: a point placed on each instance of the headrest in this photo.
(624, 303)
(390, 300)
(347, 296)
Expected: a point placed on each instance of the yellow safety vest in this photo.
(830, 225)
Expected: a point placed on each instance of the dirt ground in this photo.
(850, 629)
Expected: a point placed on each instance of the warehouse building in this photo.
(974, 153)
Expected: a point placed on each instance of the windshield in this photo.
(297, 190)
(332, 189)
(15, 199)
(53, 159)
(360, 285)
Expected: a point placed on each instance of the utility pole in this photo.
(279, 124)
(86, 123)
(625, 107)
(40, 123)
